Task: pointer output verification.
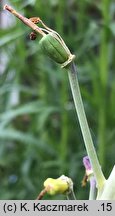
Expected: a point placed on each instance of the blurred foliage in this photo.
(40, 135)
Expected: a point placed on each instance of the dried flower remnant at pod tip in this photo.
(35, 20)
(33, 36)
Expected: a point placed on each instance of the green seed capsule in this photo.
(54, 49)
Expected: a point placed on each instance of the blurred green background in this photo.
(40, 135)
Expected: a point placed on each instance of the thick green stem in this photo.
(100, 179)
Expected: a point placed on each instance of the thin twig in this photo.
(42, 193)
(25, 20)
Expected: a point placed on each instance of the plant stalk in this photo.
(71, 196)
(100, 179)
(64, 126)
(92, 193)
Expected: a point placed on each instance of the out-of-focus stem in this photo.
(100, 179)
(104, 69)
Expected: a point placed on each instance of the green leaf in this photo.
(10, 37)
(26, 138)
